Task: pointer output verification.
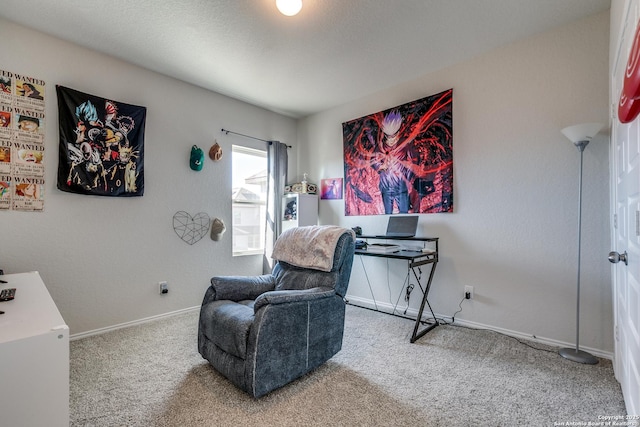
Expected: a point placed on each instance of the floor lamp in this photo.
(580, 135)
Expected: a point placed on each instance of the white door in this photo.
(625, 185)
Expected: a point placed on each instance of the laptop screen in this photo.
(402, 225)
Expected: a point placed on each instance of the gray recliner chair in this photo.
(263, 332)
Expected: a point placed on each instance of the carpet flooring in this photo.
(153, 375)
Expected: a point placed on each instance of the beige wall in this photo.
(513, 232)
(100, 257)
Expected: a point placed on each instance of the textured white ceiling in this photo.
(332, 52)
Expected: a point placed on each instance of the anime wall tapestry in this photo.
(101, 145)
(400, 160)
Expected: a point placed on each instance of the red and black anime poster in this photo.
(101, 145)
(401, 160)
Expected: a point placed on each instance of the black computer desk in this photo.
(414, 260)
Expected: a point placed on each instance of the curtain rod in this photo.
(227, 132)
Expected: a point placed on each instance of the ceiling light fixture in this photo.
(289, 7)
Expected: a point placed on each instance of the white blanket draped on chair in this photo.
(309, 247)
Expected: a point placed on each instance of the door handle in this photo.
(615, 257)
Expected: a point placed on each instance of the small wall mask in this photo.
(197, 158)
(217, 229)
(215, 152)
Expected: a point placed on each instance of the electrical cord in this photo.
(409, 289)
(453, 318)
(407, 296)
(505, 335)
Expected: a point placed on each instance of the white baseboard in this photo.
(379, 306)
(413, 313)
(129, 324)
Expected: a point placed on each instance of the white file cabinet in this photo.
(34, 356)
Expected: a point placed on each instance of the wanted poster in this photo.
(29, 93)
(5, 192)
(5, 156)
(28, 193)
(22, 118)
(6, 114)
(6, 87)
(27, 159)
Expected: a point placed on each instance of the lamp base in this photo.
(578, 356)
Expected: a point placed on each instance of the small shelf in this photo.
(299, 210)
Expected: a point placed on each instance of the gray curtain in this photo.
(277, 161)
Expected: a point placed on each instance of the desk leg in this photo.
(417, 334)
(368, 282)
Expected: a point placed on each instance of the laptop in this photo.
(401, 226)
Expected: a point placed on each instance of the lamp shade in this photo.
(582, 132)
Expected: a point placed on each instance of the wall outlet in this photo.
(164, 288)
(468, 290)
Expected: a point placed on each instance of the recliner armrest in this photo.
(292, 296)
(238, 288)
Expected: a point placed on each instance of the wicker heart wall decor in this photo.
(191, 228)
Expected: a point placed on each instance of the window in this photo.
(249, 200)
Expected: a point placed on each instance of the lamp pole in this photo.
(576, 354)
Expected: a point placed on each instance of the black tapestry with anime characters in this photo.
(401, 160)
(101, 145)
